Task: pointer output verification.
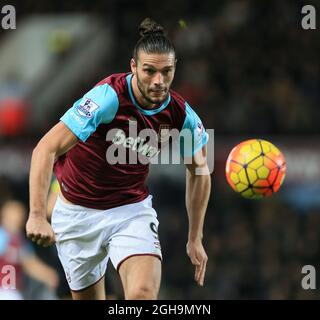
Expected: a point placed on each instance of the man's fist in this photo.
(40, 231)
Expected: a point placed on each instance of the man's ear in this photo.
(133, 66)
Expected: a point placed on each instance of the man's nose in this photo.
(158, 79)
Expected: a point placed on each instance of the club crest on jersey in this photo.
(87, 108)
(164, 132)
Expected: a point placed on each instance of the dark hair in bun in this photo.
(153, 39)
(150, 27)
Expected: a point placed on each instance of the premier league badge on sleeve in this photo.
(87, 108)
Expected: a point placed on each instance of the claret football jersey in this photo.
(103, 120)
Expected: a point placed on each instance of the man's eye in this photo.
(150, 71)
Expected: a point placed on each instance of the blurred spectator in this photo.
(13, 116)
(18, 254)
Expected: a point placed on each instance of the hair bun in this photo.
(149, 27)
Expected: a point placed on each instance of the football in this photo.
(255, 168)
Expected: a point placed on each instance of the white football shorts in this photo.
(86, 238)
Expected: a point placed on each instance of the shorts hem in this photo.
(87, 287)
(137, 254)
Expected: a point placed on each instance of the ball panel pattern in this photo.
(255, 168)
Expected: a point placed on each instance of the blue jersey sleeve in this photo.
(25, 249)
(98, 106)
(4, 240)
(193, 134)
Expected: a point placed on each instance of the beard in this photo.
(146, 96)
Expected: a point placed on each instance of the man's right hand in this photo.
(40, 231)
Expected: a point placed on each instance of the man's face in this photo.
(154, 74)
(13, 216)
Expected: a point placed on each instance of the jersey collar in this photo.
(145, 111)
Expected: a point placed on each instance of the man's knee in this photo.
(142, 292)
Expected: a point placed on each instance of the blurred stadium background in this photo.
(250, 71)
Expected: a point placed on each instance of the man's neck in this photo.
(139, 97)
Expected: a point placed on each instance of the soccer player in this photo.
(104, 209)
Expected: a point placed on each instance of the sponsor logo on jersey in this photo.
(135, 144)
(87, 108)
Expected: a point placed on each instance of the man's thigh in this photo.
(141, 274)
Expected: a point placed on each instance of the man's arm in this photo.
(198, 188)
(56, 142)
(40, 271)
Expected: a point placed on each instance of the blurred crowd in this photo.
(248, 68)
(256, 249)
(258, 75)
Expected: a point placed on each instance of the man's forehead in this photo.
(157, 60)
